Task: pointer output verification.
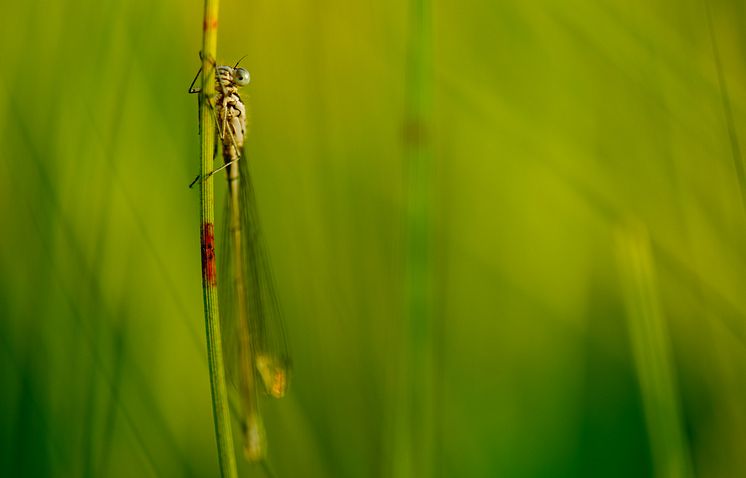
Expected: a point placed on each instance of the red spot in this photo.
(211, 23)
(208, 254)
(414, 132)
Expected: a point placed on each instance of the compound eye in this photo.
(241, 76)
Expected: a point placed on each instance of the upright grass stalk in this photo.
(651, 348)
(414, 442)
(220, 405)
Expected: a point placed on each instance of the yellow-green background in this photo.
(553, 123)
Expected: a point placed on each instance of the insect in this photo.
(255, 345)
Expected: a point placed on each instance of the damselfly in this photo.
(255, 345)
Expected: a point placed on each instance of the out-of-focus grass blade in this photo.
(649, 337)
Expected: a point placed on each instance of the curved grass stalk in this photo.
(220, 406)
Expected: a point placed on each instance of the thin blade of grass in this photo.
(220, 401)
(414, 431)
(650, 340)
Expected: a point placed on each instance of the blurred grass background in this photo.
(553, 125)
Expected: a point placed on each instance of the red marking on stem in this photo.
(414, 132)
(209, 271)
(209, 23)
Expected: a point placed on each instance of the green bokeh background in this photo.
(553, 124)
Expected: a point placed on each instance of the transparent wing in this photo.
(248, 298)
(266, 322)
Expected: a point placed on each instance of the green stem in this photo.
(220, 408)
(414, 440)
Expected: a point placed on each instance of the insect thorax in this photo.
(231, 113)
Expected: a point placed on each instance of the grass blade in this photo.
(651, 347)
(220, 404)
